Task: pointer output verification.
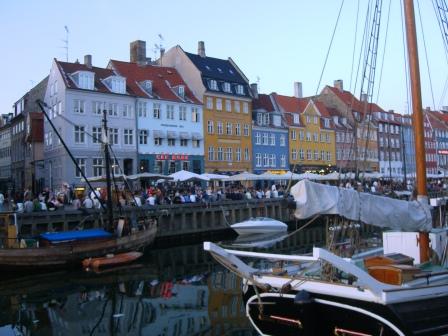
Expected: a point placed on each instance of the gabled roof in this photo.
(324, 112)
(291, 104)
(70, 68)
(163, 80)
(437, 120)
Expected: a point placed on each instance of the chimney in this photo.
(201, 48)
(88, 61)
(162, 52)
(138, 52)
(254, 89)
(445, 109)
(339, 84)
(364, 97)
(298, 90)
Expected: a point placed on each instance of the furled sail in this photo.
(314, 198)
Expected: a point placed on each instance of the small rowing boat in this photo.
(111, 260)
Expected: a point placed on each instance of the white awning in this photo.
(172, 135)
(197, 136)
(158, 134)
(185, 135)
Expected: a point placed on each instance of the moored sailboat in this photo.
(400, 293)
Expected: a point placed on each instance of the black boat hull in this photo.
(283, 314)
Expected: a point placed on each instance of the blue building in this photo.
(270, 142)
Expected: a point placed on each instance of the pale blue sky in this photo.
(278, 41)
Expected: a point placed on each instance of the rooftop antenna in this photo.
(158, 47)
(66, 43)
(258, 83)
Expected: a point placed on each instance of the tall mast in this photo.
(417, 117)
(110, 215)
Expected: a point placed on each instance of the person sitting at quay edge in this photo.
(151, 200)
(28, 205)
(88, 203)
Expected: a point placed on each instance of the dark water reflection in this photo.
(172, 291)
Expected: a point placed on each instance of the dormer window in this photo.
(240, 89)
(226, 87)
(147, 84)
(213, 85)
(276, 120)
(327, 123)
(296, 119)
(84, 79)
(181, 91)
(117, 84)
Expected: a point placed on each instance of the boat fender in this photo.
(302, 298)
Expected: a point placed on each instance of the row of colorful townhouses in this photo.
(199, 113)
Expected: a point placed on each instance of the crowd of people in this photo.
(167, 194)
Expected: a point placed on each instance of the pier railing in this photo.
(174, 220)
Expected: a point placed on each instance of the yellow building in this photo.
(227, 106)
(311, 137)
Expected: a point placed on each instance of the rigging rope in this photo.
(384, 52)
(354, 45)
(426, 54)
(329, 47)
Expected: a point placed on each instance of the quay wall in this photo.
(174, 220)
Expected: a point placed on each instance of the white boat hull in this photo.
(259, 225)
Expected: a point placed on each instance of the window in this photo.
(265, 139)
(265, 160)
(293, 135)
(245, 107)
(301, 135)
(79, 106)
(128, 136)
(229, 128)
(328, 156)
(283, 161)
(322, 137)
(196, 143)
(113, 136)
(60, 108)
(213, 85)
(322, 155)
(294, 154)
(308, 136)
(143, 137)
(282, 140)
(316, 155)
(113, 109)
(118, 84)
(156, 111)
(183, 142)
(238, 129)
(97, 166)
(226, 87)
(195, 115)
(301, 154)
(246, 154)
(228, 105)
(158, 141)
(85, 80)
(296, 118)
(219, 127)
(170, 112)
(127, 111)
(239, 89)
(219, 157)
(315, 120)
(258, 162)
(171, 142)
(182, 113)
(273, 160)
(181, 91)
(210, 127)
(96, 134)
(246, 130)
(82, 165)
(272, 139)
(315, 137)
(327, 137)
(97, 107)
(238, 154)
(228, 154)
(258, 138)
(236, 106)
(80, 136)
(209, 102)
(211, 153)
(219, 104)
(307, 119)
(327, 123)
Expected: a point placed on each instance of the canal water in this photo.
(172, 291)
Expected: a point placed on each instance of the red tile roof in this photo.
(291, 104)
(70, 68)
(438, 120)
(163, 80)
(263, 102)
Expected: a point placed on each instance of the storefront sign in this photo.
(172, 157)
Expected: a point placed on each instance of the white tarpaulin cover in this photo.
(314, 198)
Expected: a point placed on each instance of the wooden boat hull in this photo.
(283, 314)
(60, 255)
(112, 260)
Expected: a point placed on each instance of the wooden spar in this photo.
(107, 166)
(417, 117)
